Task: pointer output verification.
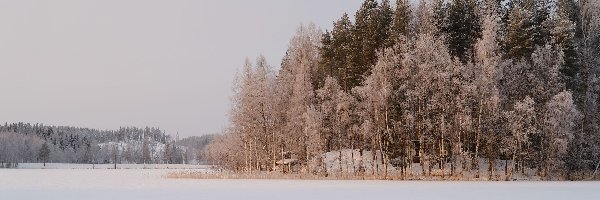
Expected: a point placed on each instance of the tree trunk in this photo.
(340, 160)
(273, 147)
(491, 167)
(421, 139)
(246, 164)
(256, 154)
(362, 163)
(442, 156)
(596, 171)
(250, 156)
(353, 164)
(477, 136)
(505, 168)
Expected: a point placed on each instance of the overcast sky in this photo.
(169, 64)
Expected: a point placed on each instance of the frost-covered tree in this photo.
(263, 136)
(559, 127)
(227, 150)
(243, 111)
(424, 21)
(522, 124)
(314, 141)
(328, 99)
(588, 144)
(299, 64)
(336, 108)
(487, 72)
(447, 81)
(427, 68)
(374, 105)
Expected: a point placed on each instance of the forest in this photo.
(434, 88)
(27, 143)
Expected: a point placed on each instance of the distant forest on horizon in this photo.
(26, 143)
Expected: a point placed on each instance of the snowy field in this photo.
(150, 184)
(107, 166)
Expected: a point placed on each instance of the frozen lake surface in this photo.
(150, 184)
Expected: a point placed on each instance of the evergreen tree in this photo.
(327, 66)
(44, 153)
(463, 29)
(363, 44)
(385, 20)
(527, 28)
(563, 37)
(342, 48)
(402, 20)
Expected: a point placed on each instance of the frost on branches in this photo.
(509, 92)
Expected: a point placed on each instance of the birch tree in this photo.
(488, 71)
(522, 121)
(301, 61)
(336, 108)
(559, 128)
(374, 97)
(427, 67)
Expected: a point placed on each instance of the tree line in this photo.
(439, 85)
(26, 143)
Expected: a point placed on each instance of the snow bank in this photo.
(349, 161)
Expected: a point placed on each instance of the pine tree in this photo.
(519, 43)
(44, 153)
(364, 35)
(342, 48)
(563, 37)
(528, 28)
(440, 17)
(402, 20)
(385, 18)
(327, 66)
(463, 28)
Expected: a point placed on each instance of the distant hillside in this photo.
(21, 142)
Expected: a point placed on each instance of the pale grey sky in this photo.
(169, 64)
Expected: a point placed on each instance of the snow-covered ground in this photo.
(107, 166)
(150, 184)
